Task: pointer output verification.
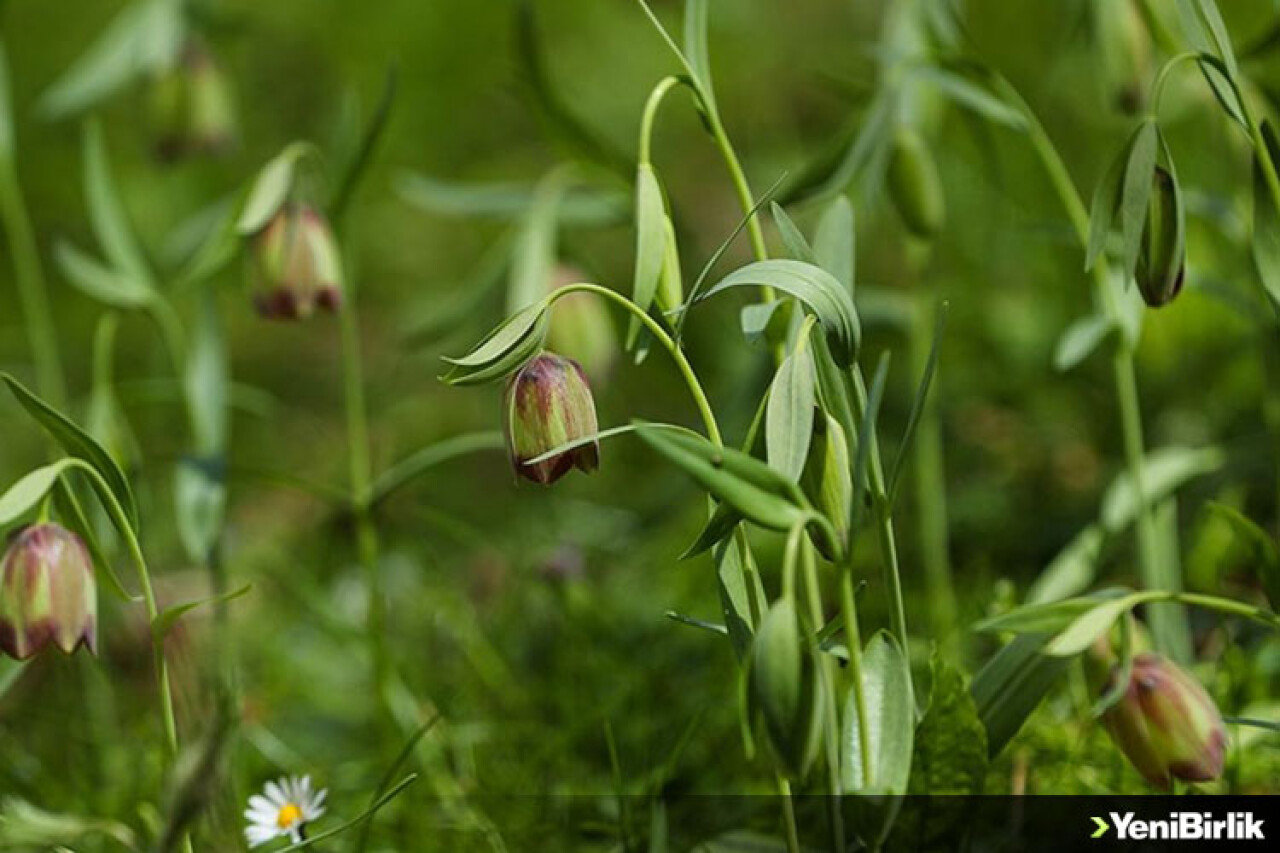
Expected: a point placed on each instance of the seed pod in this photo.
(192, 107)
(1162, 259)
(548, 404)
(783, 688)
(48, 594)
(1166, 724)
(914, 184)
(826, 480)
(581, 327)
(296, 265)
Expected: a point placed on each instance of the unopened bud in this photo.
(1166, 724)
(826, 481)
(1162, 259)
(192, 107)
(581, 327)
(783, 688)
(915, 186)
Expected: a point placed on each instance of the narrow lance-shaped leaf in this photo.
(1012, 684)
(650, 244)
(792, 238)
(76, 442)
(816, 288)
(1136, 191)
(750, 486)
(890, 722)
(789, 422)
(1266, 217)
(834, 241)
(1106, 202)
(106, 212)
(112, 287)
(921, 400)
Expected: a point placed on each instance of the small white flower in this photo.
(284, 807)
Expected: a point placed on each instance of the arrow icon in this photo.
(1102, 828)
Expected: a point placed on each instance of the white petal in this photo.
(317, 802)
(275, 794)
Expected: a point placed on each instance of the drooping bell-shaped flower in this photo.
(1166, 724)
(549, 404)
(1162, 261)
(296, 265)
(48, 594)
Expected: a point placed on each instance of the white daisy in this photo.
(284, 807)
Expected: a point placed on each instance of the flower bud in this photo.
(192, 108)
(548, 404)
(1162, 258)
(581, 327)
(783, 688)
(47, 593)
(915, 186)
(1166, 724)
(296, 265)
(826, 481)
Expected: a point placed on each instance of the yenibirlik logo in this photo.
(1182, 826)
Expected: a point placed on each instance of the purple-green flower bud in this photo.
(549, 404)
(192, 107)
(47, 593)
(1166, 724)
(296, 265)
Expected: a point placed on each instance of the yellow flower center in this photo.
(289, 815)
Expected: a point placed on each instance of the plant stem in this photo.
(32, 291)
(827, 672)
(789, 816)
(361, 479)
(121, 522)
(1171, 621)
(931, 494)
(659, 334)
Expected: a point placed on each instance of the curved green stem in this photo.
(665, 85)
(1123, 370)
(1157, 88)
(659, 334)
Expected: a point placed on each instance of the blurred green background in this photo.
(533, 620)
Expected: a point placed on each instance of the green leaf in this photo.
(1266, 218)
(1012, 684)
(651, 243)
(886, 687)
(145, 36)
(111, 287)
(1261, 543)
(866, 437)
(740, 590)
(696, 42)
(1072, 571)
(78, 443)
(1080, 339)
(167, 619)
(507, 347)
(358, 167)
(796, 245)
(1135, 193)
(1106, 202)
(816, 288)
(389, 775)
(270, 189)
(789, 418)
(22, 496)
(199, 500)
(764, 323)
(724, 520)
(1049, 617)
(972, 96)
(581, 206)
(834, 241)
(106, 212)
(423, 460)
(950, 754)
(6, 109)
(1093, 623)
(748, 485)
(205, 380)
(1164, 472)
(1223, 87)
(73, 518)
(24, 826)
